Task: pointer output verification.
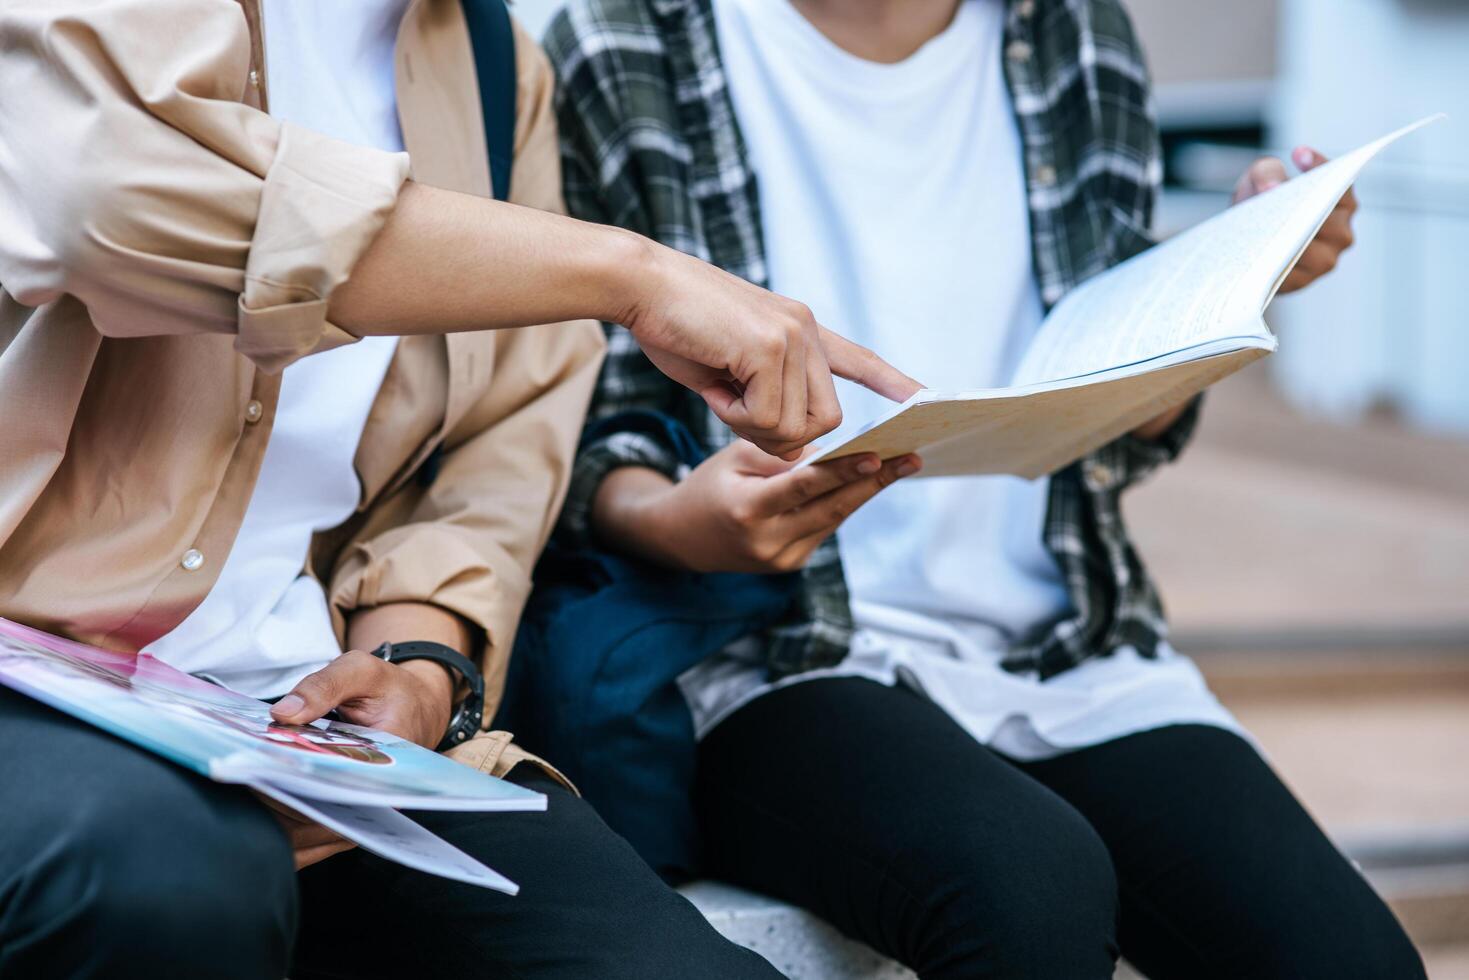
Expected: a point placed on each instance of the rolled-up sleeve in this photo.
(133, 178)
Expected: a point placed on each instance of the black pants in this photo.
(872, 808)
(116, 863)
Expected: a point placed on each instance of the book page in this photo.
(1035, 431)
(1209, 282)
(389, 834)
(1142, 337)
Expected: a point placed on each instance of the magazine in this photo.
(347, 777)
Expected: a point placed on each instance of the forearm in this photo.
(447, 262)
(622, 513)
(402, 622)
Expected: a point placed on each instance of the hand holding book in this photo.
(740, 510)
(1333, 237)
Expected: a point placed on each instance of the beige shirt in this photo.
(166, 248)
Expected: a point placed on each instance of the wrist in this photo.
(450, 720)
(631, 514)
(626, 267)
(436, 679)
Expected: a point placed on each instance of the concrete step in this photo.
(797, 943)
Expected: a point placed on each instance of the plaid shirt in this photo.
(651, 143)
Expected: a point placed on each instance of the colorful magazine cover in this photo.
(230, 737)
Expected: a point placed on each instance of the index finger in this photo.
(856, 363)
(793, 424)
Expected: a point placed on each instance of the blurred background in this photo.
(1314, 545)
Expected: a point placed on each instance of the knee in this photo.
(1389, 955)
(1370, 947)
(199, 882)
(1047, 908)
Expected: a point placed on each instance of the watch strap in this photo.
(467, 716)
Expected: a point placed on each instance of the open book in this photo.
(1128, 344)
(346, 777)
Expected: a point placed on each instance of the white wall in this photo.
(535, 14)
(1393, 324)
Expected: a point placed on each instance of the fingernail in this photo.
(907, 468)
(868, 466)
(290, 704)
(1304, 156)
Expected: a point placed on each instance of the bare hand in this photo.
(412, 700)
(761, 361)
(1335, 236)
(740, 510)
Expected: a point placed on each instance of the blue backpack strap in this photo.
(493, 41)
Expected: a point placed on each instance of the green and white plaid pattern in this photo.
(650, 142)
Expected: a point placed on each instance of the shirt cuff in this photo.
(433, 563)
(323, 203)
(601, 457)
(1125, 461)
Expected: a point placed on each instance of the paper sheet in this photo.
(389, 834)
(1214, 279)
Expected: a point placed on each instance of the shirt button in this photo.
(254, 78)
(1018, 51)
(1025, 8)
(193, 560)
(253, 411)
(1045, 175)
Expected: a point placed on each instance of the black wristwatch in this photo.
(467, 717)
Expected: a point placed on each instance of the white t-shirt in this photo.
(265, 625)
(894, 205)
